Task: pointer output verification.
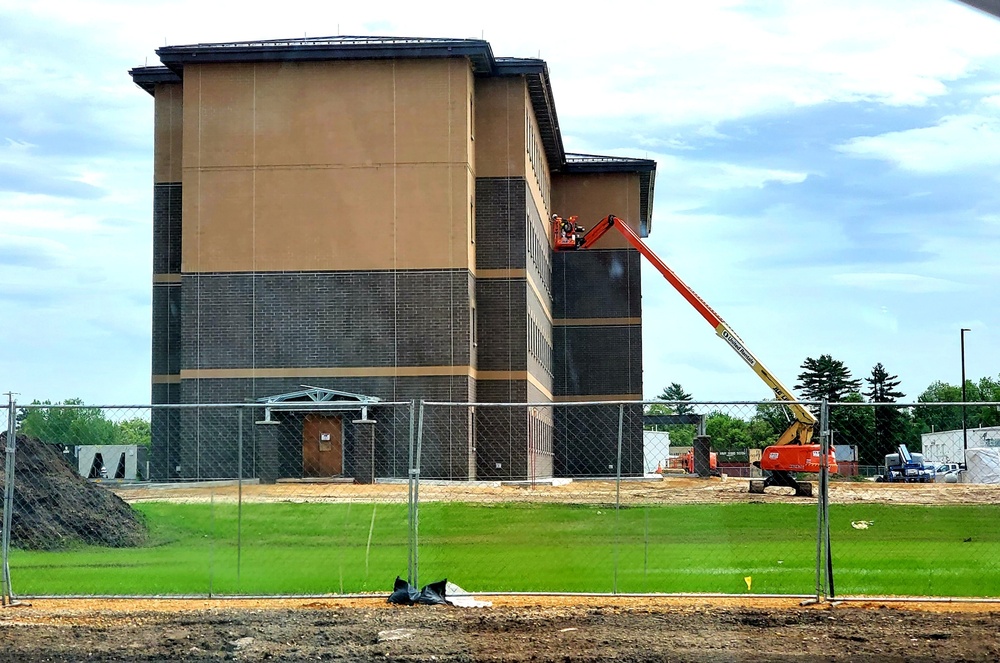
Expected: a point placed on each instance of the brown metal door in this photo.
(322, 447)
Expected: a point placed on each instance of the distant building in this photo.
(948, 446)
(370, 216)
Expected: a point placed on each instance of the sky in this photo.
(827, 174)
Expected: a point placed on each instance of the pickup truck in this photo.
(944, 469)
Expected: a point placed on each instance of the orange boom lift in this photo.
(793, 451)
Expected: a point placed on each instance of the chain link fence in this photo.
(306, 498)
(913, 506)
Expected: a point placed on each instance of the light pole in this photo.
(965, 430)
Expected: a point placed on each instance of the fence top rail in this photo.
(929, 404)
(298, 405)
(591, 403)
(355, 405)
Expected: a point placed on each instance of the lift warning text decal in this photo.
(736, 345)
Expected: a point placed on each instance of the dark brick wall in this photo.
(502, 431)
(500, 222)
(165, 432)
(586, 440)
(597, 283)
(206, 443)
(167, 228)
(503, 319)
(414, 318)
(598, 360)
(330, 319)
(166, 329)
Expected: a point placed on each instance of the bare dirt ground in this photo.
(668, 490)
(513, 629)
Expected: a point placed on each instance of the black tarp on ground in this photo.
(403, 593)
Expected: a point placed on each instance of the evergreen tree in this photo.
(882, 386)
(827, 378)
(890, 425)
(675, 392)
(681, 435)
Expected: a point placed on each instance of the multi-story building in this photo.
(369, 217)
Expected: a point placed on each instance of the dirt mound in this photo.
(54, 507)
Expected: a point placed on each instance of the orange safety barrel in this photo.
(796, 458)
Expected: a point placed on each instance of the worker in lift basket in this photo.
(567, 226)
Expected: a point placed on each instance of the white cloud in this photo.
(888, 282)
(957, 142)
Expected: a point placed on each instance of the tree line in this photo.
(80, 425)
(867, 421)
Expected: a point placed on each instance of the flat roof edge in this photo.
(148, 77)
(478, 52)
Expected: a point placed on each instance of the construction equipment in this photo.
(793, 451)
(905, 467)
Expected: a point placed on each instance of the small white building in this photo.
(948, 446)
(112, 461)
(655, 450)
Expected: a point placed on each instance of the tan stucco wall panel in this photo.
(324, 113)
(327, 219)
(310, 148)
(168, 123)
(593, 196)
(431, 111)
(499, 127)
(218, 115)
(323, 219)
(217, 232)
(432, 228)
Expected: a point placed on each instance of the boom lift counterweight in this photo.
(793, 451)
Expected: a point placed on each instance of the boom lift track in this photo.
(793, 451)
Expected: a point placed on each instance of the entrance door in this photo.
(322, 446)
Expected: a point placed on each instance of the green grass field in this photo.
(289, 548)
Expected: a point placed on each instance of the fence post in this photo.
(823, 425)
(416, 495)
(618, 490)
(239, 495)
(413, 486)
(8, 498)
(824, 490)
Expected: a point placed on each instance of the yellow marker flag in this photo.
(748, 580)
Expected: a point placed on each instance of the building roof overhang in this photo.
(477, 51)
(322, 49)
(644, 168)
(149, 77)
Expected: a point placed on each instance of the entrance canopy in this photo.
(317, 398)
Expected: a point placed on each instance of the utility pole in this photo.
(965, 428)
